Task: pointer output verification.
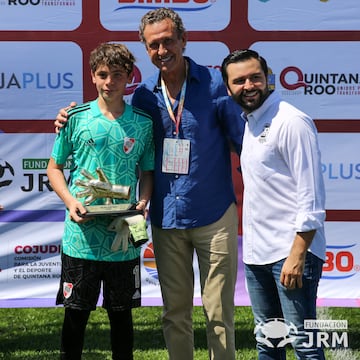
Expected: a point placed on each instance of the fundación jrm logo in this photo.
(277, 333)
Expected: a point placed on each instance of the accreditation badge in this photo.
(176, 155)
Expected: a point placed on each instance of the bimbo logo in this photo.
(153, 4)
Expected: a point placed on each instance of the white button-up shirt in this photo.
(283, 184)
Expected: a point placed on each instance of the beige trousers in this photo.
(216, 246)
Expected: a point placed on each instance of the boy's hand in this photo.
(77, 212)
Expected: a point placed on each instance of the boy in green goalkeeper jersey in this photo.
(112, 136)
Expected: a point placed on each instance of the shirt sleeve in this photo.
(231, 121)
(62, 147)
(147, 160)
(299, 147)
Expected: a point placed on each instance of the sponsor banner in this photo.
(121, 15)
(42, 71)
(150, 286)
(30, 268)
(341, 271)
(24, 185)
(208, 53)
(40, 14)
(44, 75)
(341, 169)
(46, 86)
(304, 15)
(32, 225)
(311, 75)
(30, 261)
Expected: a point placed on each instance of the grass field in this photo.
(33, 334)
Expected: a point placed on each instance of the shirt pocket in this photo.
(265, 161)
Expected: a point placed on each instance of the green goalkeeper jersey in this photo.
(121, 147)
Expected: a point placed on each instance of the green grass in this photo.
(34, 333)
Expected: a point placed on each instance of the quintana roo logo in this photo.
(275, 332)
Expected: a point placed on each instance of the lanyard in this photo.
(176, 120)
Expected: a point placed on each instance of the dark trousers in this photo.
(73, 333)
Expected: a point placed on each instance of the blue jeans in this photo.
(286, 308)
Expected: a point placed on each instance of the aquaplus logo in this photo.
(153, 4)
(36, 80)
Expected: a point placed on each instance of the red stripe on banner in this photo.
(27, 126)
(342, 215)
(47, 126)
(338, 126)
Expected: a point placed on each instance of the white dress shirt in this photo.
(283, 184)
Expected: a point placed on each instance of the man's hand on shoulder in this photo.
(61, 117)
